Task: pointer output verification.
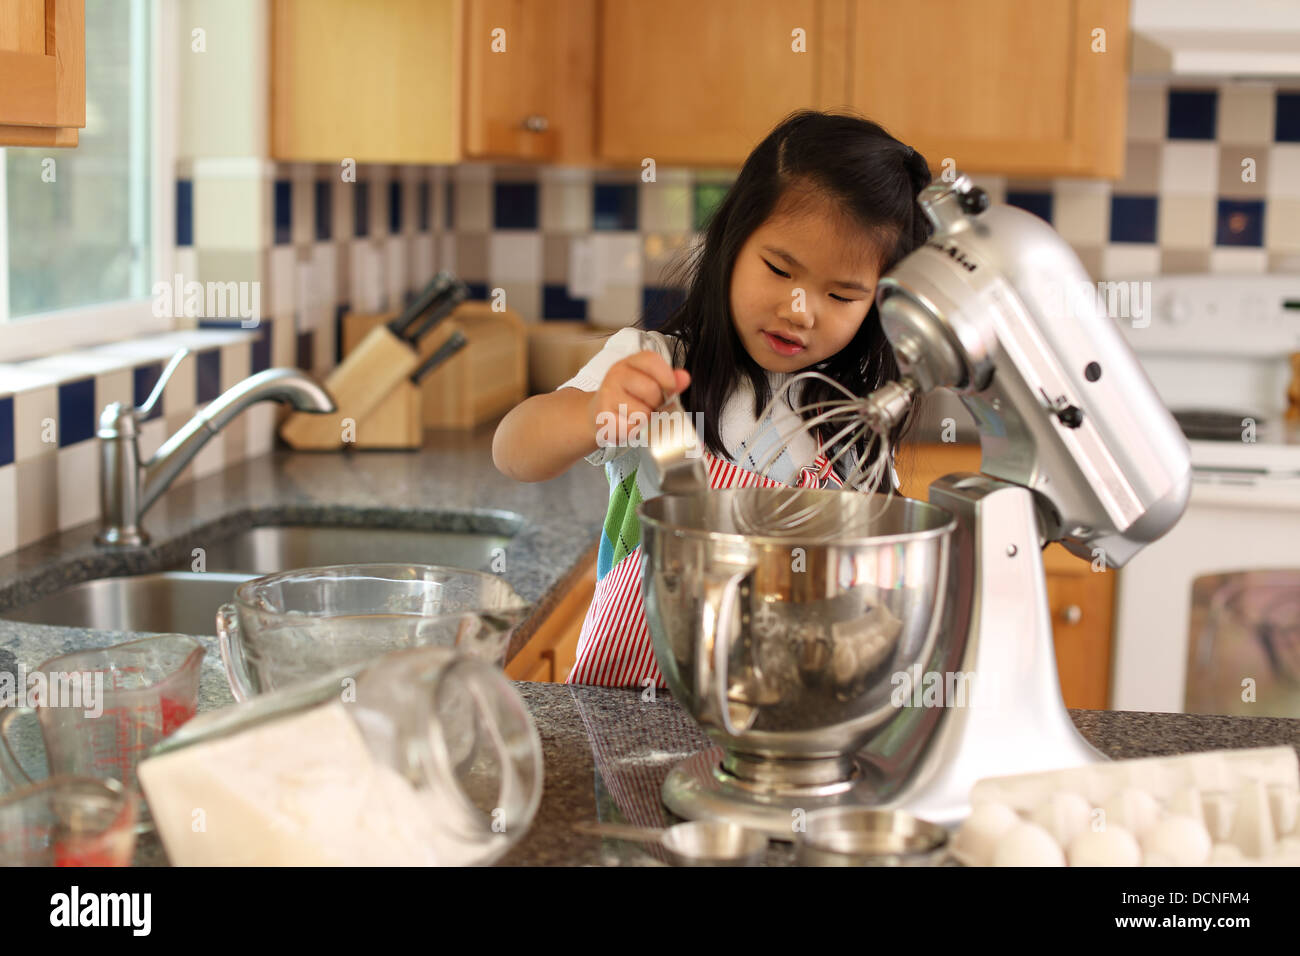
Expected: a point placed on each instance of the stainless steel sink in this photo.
(271, 549)
(185, 601)
(171, 602)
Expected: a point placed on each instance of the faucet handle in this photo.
(156, 395)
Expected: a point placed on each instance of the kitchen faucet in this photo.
(127, 488)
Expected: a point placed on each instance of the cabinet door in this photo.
(1081, 614)
(42, 72)
(530, 80)
(687, 82)
(375, 82)
(1020, 87)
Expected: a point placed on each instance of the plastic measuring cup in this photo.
(104, 709)
(68, 821)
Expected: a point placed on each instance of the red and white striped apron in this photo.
(615, 648)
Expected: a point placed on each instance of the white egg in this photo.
(979, 835)
(1177, 840)
(1133, 809)
(1028, 844)
(1064, 815)
(1113, 846)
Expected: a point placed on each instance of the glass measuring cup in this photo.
(103, 709)
(68, 821)
(424, 756)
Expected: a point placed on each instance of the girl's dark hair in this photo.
(809, 157)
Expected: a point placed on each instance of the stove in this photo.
(1217, 349)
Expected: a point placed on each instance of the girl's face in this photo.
(801, 287)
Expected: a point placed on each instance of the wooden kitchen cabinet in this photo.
(550, 653)
(685, 82)
(530, 80)
(1081, 600)
(376, 82)
(42, 72)
(1016, 87)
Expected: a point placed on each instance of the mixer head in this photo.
(997, 307)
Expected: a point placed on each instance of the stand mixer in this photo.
(910, 654)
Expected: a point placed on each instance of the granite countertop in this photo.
(606, 751)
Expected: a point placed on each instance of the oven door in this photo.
(1173, 650)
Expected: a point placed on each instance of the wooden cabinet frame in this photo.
(43, 94)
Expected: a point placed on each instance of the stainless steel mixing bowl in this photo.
(787, 651)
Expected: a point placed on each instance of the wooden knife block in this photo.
(486, 378)
(378, 407)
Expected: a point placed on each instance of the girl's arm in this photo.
(542, 436)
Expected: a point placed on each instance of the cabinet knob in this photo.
(536, 123)
(1073, 614)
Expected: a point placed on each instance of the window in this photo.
(82, 231)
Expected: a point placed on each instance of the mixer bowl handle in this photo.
(713, 649)
(232, 652)
(11, 769)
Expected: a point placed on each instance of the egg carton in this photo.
(1220, 808)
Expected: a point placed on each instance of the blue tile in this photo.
(283, 212)
(207, 377)
(1287, 124)
(659, 303)
(1132, 218)
(556, 303)
(261, 352)
(422, 206)
(1192, 114)
(6, 430)
(361, 209)
(306, 350)
(184, 212)
(394, 207)
(1039, 203)
(324, 210)
(449, 205)
(515, 206)
(143, 379)
(76, 411)
(340, 310)
(478, 291)
(1239, 222)
(614, 206)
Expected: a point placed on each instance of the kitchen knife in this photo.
(446, 303)
(455, 342)
(420, 304)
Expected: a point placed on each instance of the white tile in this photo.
(615, 307)
(115, 387)
(282, 282)
(473, 198)
(1284, 171)
(8, 508)
(342, 209)
(446, 252)
(618, 256)
(303, 211)
(236, 364)
(1124, 260)
(179, 397)
(1190, 168)
(325, 290)
(422, 259)
(514, 257)
(152, 435)
(185, 263)
(36, 422)
(211, 457)
(1226, 259)
(367, 278)
(78, 484)
(261, 429)
(395, 272)
(304, 313)
(564, 203)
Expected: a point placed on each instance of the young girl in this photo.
(784, 281)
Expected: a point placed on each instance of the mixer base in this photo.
(699, 789)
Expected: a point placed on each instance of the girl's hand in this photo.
(633, 388)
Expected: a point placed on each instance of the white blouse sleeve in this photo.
(617, 347)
